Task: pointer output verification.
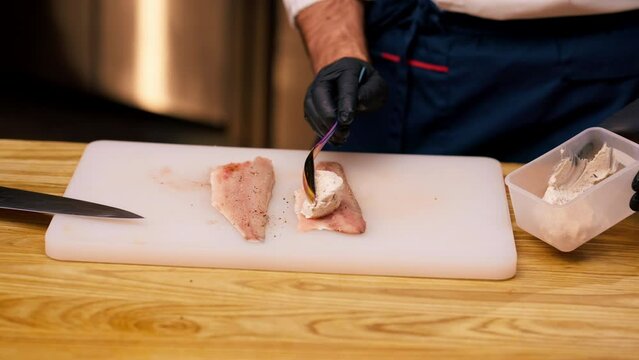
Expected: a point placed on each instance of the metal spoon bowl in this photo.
(577, 163)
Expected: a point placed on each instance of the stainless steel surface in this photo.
(236, 64)
(16, 199)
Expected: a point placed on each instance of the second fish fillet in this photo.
(241, 192)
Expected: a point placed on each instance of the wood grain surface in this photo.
(583, 304)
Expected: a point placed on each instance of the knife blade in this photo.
(16, 199)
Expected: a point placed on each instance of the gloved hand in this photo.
(634, 200)
(337, 94)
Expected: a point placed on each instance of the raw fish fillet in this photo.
(348, 216)
(241, 192)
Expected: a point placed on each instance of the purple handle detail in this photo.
(320, 144)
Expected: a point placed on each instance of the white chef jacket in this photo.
(509, 9)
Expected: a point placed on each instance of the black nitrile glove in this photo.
(337, 94)
(634, 200)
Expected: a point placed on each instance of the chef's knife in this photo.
(44, 203)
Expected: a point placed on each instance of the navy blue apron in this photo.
(506, 89)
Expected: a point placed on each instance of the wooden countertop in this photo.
(583, 304)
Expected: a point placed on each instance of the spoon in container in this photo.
(577, 162)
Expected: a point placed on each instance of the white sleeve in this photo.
(293, 7)
(530, 9)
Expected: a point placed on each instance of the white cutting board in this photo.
(433, 216)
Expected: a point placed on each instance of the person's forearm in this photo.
(333, 29)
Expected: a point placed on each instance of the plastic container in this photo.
(568, 226)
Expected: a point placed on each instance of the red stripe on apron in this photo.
(415, 63)
(390, 57)
(428, 66)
